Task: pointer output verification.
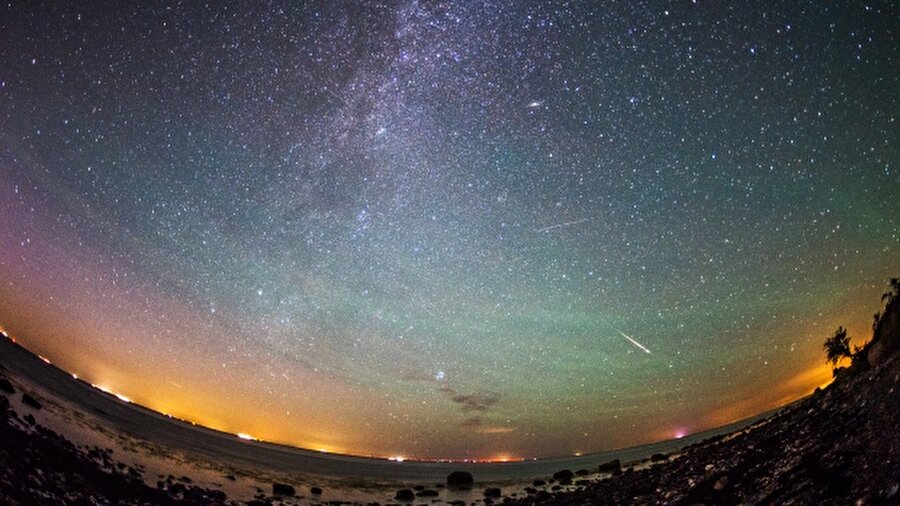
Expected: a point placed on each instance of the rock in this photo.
(492, 492)
(315, 491)
(658, 457)
(565, 474)
(611, 466)
(419, 488)
(30, 401)
(6, 386)
(231, 477)
(404, 494)
(721, 483)
(460, 480)
(539, 483)
(283, 489)
(582, 472)
(427, 493)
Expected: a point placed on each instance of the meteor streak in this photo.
(561, 225)
(632, 341)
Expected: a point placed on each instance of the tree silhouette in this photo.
(892, 294)
(837, 346)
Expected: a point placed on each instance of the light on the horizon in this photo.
(397, 458)
(246, 437)
(110, 392)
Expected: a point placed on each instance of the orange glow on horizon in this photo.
(796, 387)
(181, 405)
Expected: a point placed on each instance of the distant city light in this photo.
(110, 392)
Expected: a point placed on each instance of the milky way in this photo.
(423, 228)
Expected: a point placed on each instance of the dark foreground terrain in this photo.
(841, 445)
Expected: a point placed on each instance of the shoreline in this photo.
(68, 440)
(139, 421)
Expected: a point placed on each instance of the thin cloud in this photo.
(477, 401)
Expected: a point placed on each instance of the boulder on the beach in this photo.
(582, 472)
(460, 479)
(30, 401)
(427, 493)
(6, 386)
(658, 457)
(563, 475)
(539, 483)
(721, 483)
(405, 494)
(611, 466)
(283, 489)
(315, 491)
(492, 492)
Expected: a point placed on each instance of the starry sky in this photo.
(448, 230)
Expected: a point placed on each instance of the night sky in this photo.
(484, 230)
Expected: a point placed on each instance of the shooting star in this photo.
(561, 225)
(632, 341)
